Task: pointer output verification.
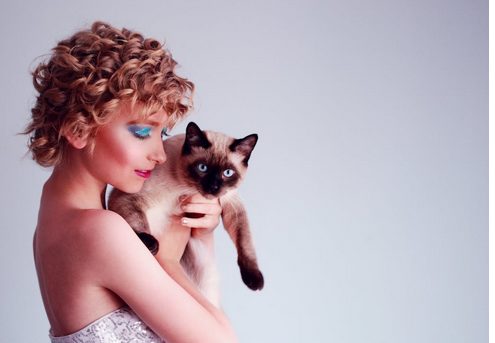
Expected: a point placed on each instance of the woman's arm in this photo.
(200, 227)
(165, 300)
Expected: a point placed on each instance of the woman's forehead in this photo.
(160, 118)
(139, 112)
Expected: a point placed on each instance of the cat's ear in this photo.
(244, 146)
(194, 138)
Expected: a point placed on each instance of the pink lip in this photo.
(143, 173)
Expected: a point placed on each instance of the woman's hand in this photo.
(199, 219)
(202, 215)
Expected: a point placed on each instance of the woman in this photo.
(99, 283)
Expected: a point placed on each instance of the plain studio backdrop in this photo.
(368, 189)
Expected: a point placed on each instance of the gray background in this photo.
(367, 192)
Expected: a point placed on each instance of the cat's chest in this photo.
(159, 214)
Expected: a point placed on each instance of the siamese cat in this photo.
(214, 165)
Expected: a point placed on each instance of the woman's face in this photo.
(126, 150)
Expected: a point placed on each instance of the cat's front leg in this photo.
(236, 223)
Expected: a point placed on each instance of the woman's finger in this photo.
(204, 222)
(211, 209)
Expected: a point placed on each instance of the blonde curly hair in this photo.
(89, 75)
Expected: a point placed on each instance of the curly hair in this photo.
(89, 75)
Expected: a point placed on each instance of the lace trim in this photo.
(119, 326)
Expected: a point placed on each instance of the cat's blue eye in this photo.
(202, 167)
(228, 172)
(140, 132)
(165, 134)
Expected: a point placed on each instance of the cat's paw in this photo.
(150, 241)
(253, 278)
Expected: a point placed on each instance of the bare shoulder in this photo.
(92, 226)
(103, 234)
(93, 217)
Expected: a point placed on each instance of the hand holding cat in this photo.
(202, 215)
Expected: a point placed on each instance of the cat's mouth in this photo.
(212, 195)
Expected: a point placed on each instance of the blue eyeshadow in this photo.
(140, 131)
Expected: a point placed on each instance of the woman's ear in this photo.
(77, 142)
(76, 137)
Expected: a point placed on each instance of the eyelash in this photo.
(145, 132)
(164, 134)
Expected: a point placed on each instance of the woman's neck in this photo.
(74, 187)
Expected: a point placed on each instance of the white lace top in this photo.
(119, 326)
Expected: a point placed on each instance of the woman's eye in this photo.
(202, 167)
(165, 134)
(140, 132)
(228, 172)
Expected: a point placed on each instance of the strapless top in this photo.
(119, 326)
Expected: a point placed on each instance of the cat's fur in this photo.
(149, 210)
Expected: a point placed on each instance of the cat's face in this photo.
(213, 162)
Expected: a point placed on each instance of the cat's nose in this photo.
(215, 187)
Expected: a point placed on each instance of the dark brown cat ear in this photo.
(244, 146)
(194, 138)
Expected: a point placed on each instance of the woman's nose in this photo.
(158, 154)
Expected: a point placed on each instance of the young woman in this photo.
(106, 100)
